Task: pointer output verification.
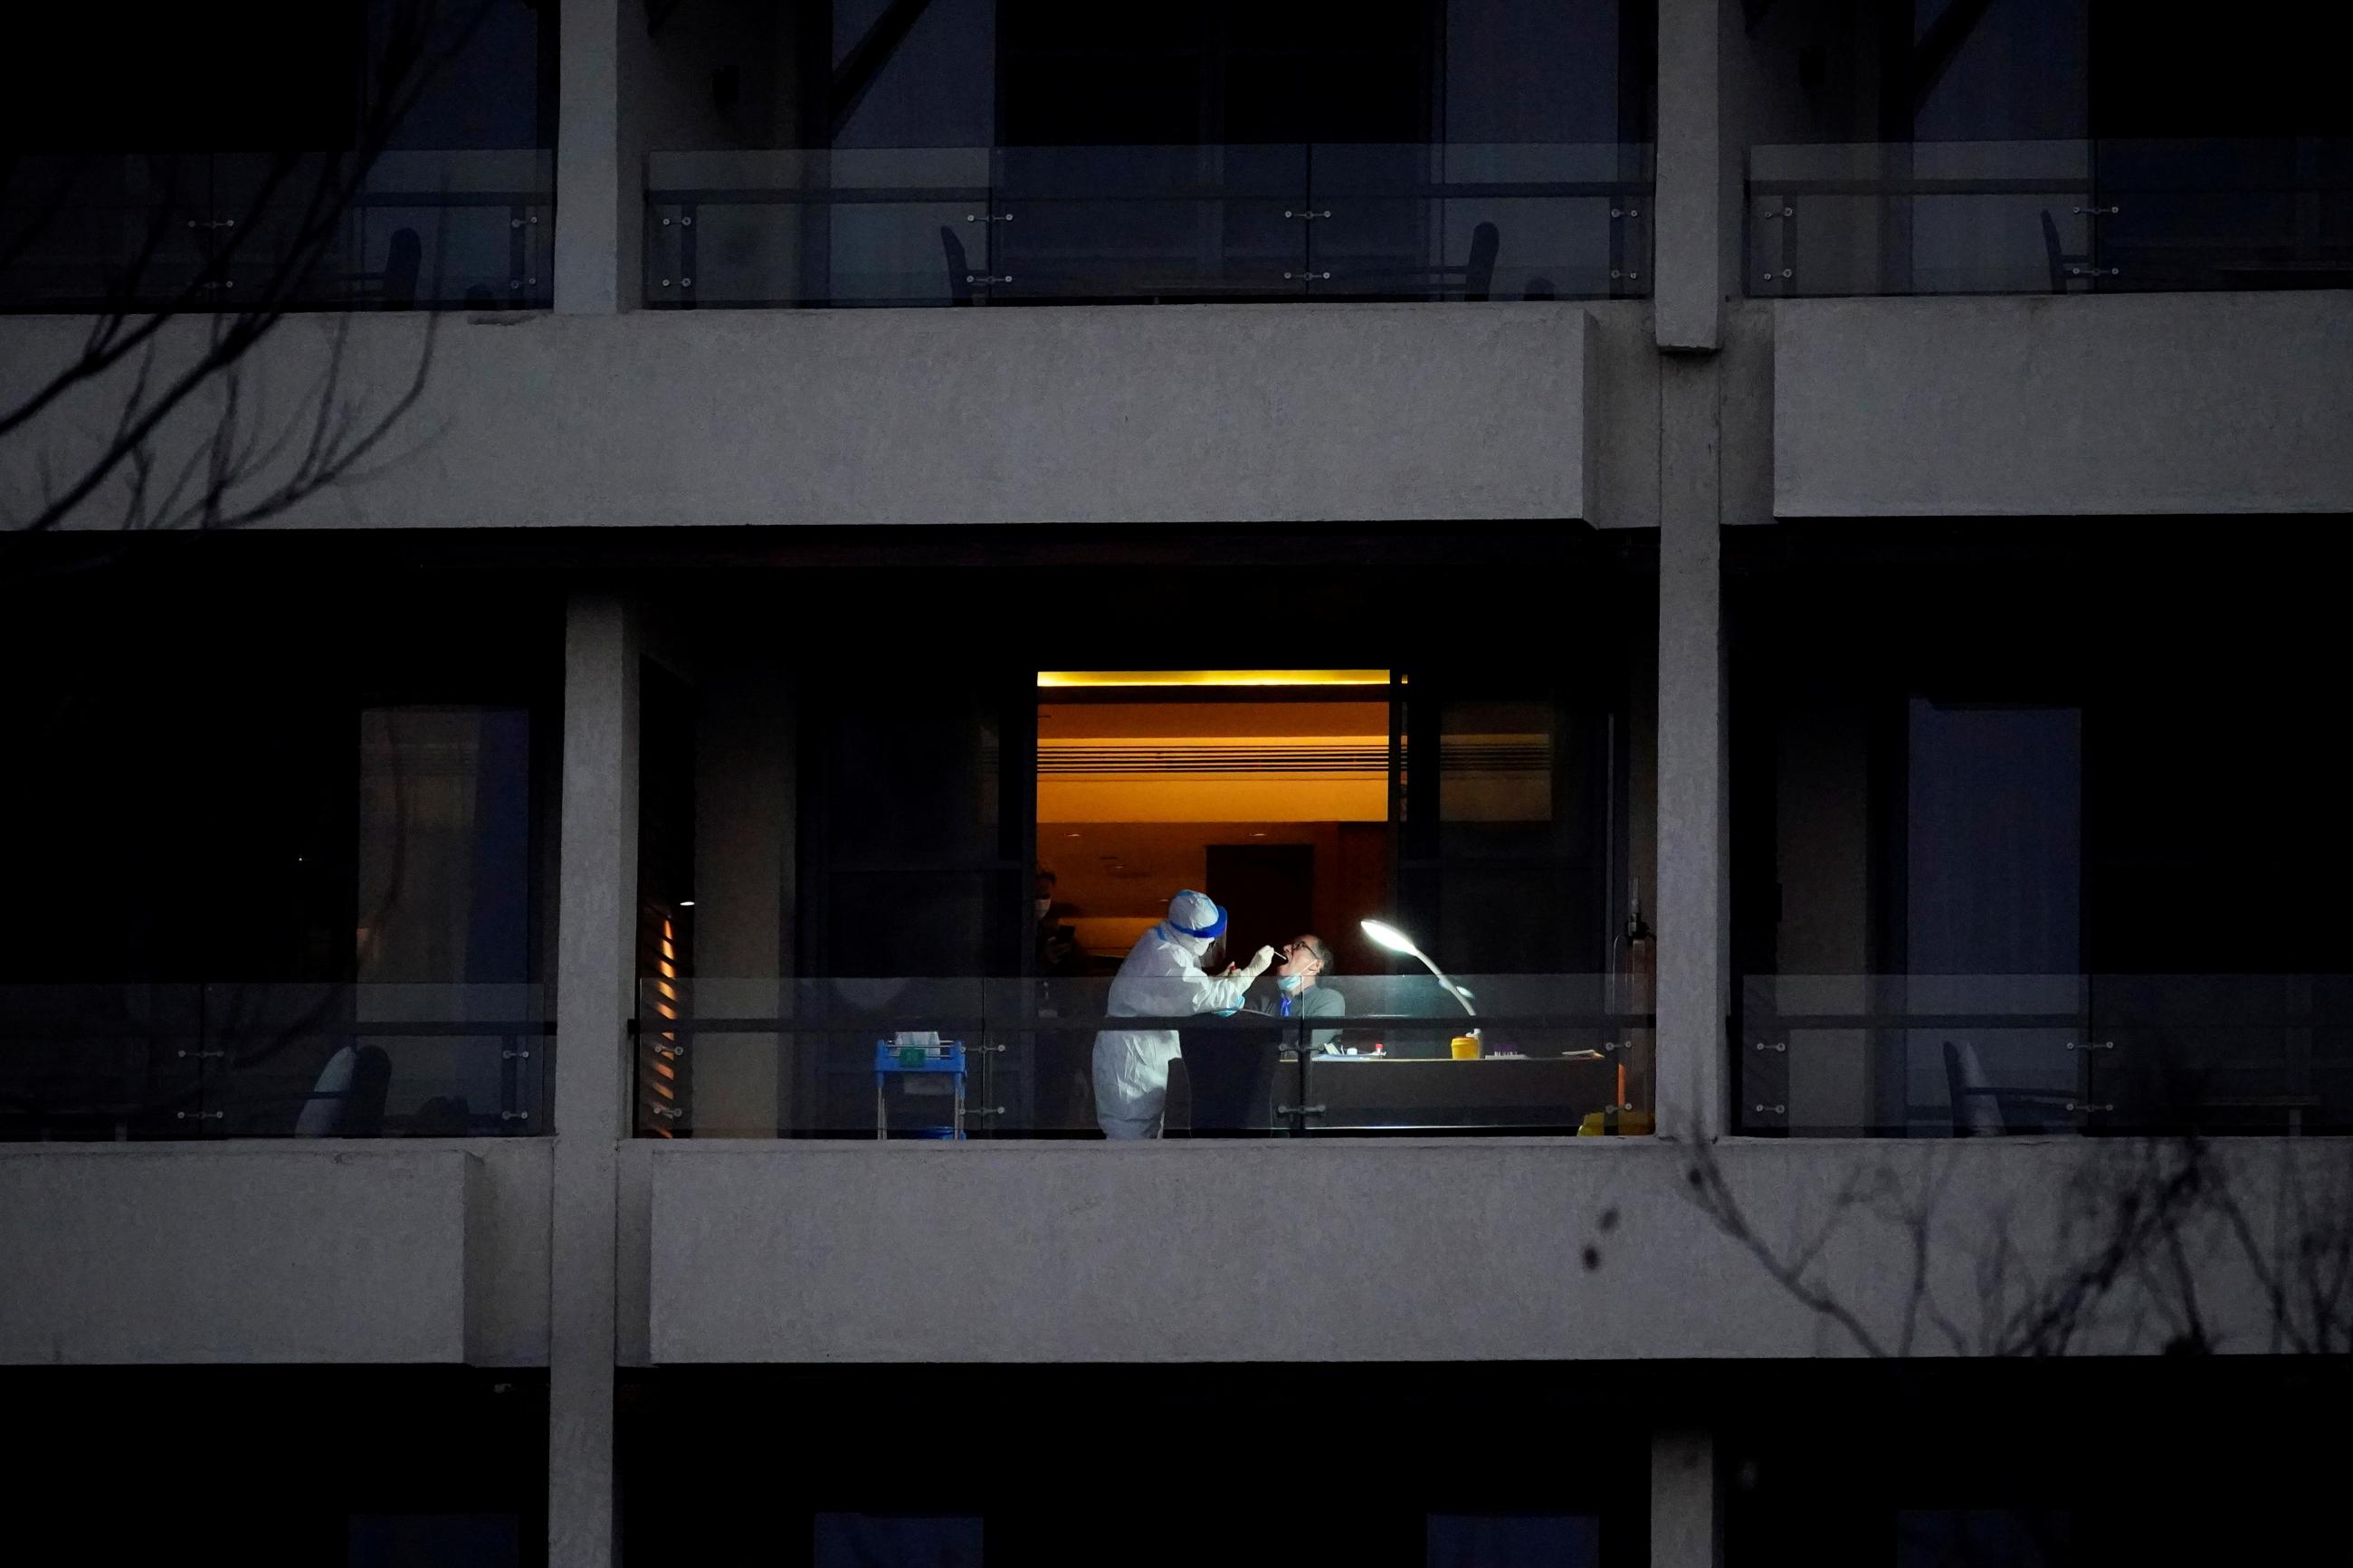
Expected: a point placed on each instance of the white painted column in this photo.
(595, 980)
(599, 167)
(1686, 1504)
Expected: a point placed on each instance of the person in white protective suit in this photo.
(1162, 978)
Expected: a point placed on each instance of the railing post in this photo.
(596, 954)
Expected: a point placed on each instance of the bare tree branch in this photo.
(244, 472)
(1715, 1198)
(2132, 1252)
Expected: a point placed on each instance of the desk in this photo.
(1532, 1093)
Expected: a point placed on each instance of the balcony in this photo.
(152, 1256)
(2053, 216)
(2120, 406)
(951, 1059)
(1977, 1055)
(1134, 224)
(224, 1060)
(298, 231)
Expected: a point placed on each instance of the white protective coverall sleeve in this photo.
(1161, 978)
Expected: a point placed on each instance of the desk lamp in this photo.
(1396, 940)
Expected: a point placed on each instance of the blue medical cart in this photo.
(944, 1058)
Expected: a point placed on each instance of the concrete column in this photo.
(596, 960)
(1686, 1505)
(1686, 261)
(743, 843)
(1695, 932)
(599, 169)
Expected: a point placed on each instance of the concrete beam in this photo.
(238, 1254)
(1416, 1250)
(1207, 414)
(2125, 405)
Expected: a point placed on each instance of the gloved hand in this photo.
(1259, 962)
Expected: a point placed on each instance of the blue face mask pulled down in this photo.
(1288, 982)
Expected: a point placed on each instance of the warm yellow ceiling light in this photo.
(1116, 677)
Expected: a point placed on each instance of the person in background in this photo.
(1299, 993)
(1057, 943)
(1066, 1099)
(1162, 977)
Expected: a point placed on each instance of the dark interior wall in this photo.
(1353, 878)
(1039, 1492)
(1866, 70)
(712, 76)
(201, 791)
(2037, 1463)
(1850, 1463)
(1269, 891)
(296, 1466)
(1052, 73)
(2212, 835)
(283, 75)
(2269, 70)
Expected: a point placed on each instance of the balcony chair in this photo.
(959, 270)
(1981, 1109)
(1479, 277)
(348, 1099)
(1478, 271)
(2062, 261)
(403, 263)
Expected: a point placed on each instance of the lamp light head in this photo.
(1396, 940)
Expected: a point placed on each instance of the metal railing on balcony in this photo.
(995, 1059)
(1137, 225)
(419, 230)
(273, 1061)
(2058, 217)
(1960, 1056)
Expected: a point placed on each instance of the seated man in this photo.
(1233, 1073)
(1306, 961)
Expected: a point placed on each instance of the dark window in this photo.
(1503, 824)
(2043, 776)
(911, 864)
(895, 1541)
(1513, 1541)
(1069, 74)
(287, 75)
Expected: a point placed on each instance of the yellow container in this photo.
(1466, 1047)
(1626, 1124)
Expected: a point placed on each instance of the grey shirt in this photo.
(1318, 1001)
